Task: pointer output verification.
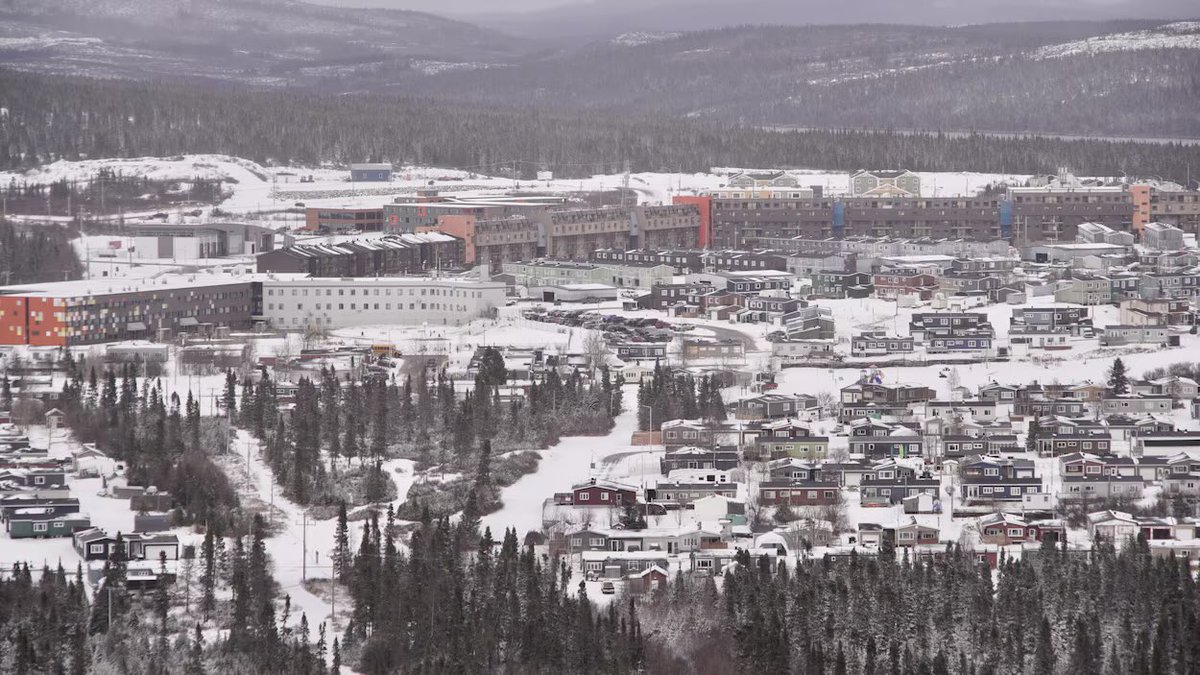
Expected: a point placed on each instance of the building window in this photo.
(39, 527)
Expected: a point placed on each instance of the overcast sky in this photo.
(993, 10)
(454, 6)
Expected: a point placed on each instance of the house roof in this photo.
(1000, 518)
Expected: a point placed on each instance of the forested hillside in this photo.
(975, 78)
(41, 254)
(256, 42)
(53, 118)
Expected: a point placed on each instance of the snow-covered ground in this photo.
(572, 460)
(1178, 35)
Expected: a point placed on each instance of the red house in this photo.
(647, 581)
(1004, 528)
(598, 493)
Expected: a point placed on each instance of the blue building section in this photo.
(370, 173)
(839, 218)
(1006, 218)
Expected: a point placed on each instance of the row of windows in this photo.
(387, 306)
(442, 292)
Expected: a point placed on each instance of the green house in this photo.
(62, 526)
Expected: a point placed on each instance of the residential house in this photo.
(1113, 526)
(773, 406)
(598, 493)
(915, 534)
(619, 564)
(1104, 486)
(1136, 404)
(688, 457)
(1130, 335)
(839, 284)
(1055, 445)
(788, 438)
(1004, 529)
(876, 440)
(998, 479)
(677, 494)
(41, 522)
(94, 544)
(879, 343)
(793, 492)
(891, 485)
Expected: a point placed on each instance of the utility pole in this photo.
(304, 543)
(333, 598)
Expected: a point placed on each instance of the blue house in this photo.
(370, 173)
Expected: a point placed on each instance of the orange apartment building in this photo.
(69, 313)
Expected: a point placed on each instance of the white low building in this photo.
(296, 302)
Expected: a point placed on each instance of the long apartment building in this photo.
(298, 302)
(1049, 213)
(72, 313)
(501, 229)
(69, 313)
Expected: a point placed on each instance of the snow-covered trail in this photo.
(301, 536)
(569, 461)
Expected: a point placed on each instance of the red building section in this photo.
(36, 321)
(703, 204)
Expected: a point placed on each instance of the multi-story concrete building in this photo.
(495, 242)
(68, 313)
(295, 302)
(1054, 212)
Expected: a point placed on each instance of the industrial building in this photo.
(196, 242)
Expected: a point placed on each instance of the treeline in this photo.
(670, 395)
(107, 191)
(162, 440)
(54, 118)
(455, 603)
(1096, 612)
(36, 255)
(43, 623)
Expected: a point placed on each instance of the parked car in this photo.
(608, 588)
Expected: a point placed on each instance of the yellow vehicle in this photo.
(382, 349)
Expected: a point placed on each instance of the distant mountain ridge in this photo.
(1121, 78)
(259, 42)
(571, 23)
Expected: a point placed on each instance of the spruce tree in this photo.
(1118, 379)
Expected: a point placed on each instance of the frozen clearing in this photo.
(566, 463)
